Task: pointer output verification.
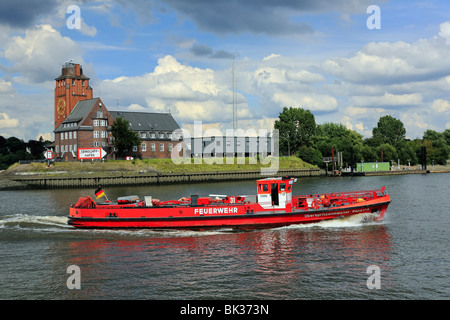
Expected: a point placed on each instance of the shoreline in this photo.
(32, 180)
(66, 180)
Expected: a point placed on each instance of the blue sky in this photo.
(176, 55)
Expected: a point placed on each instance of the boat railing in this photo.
(316, 201)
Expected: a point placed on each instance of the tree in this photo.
(309, 155)
(336, 135)
(296, 128)
(36, 148)
(14, 144)
(368, 154)
(3, 149)
(446, 135)
(407, 154)
(437, 146)
(124, 138)
(433, 135)
(389, 152)
(389, 130)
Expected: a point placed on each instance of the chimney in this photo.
(77, 70)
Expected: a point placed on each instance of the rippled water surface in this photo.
(327, 260)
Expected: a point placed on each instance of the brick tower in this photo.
(71, 86)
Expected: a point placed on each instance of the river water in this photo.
(327, 260)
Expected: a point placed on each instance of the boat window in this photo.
(263, 187)
(282, 186)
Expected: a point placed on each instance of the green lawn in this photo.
(161, 165)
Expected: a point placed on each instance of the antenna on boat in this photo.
(234, 97)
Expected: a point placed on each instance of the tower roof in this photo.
(72, 70)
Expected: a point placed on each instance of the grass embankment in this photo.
(150, 166)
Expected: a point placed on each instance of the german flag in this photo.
(99, 193)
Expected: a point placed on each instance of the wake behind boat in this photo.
(272, 206)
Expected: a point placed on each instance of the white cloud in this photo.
(134, 107)
(304, 76)
(38, 55)
(312, 101)
(440, 105)
(395, 62)
(416, 121)
(7, 88)
(444, 30)
(271, 56)
(46, 136)
(87, 30)
(388, 100)
(7, 122)
(189, 93)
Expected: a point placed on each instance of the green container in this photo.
(372, 166)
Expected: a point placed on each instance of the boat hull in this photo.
(237, 216)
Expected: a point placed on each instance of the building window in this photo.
(152, 135)
(95, 123)
(170, 147)
(134, 148)
(143, 135)
(169, 135)
(82, 83)
(153, 148)
(179, 147)
(70, 135)
(75, 147)
(144, 147)
(96, 134)
(57, 148)
(161, 135)
(161, 147)
(96, 144)
(62, 136)
(65, 135)
(99, 114)
(102, 134)
(74, 134)
(103, 123)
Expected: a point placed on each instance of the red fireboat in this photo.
(272, 206)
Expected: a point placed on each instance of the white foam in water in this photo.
(59, 223)
(356, 220)
(33, 221)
